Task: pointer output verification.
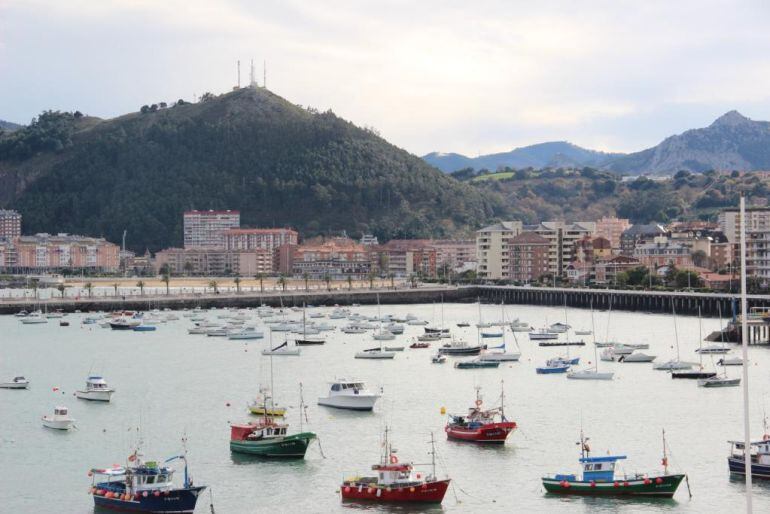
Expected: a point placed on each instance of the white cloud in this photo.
(430, 75)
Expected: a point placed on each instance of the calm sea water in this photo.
(174, 384)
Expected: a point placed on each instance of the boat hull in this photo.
(551, 370)
(738, 467)
(176, 501)
(290, 447)
(500, 357)
(58, 424)
(14, 385)
(663, 487)
(308, 342)
(427, 492)
(471, 350)
(358, 402)
(495, 433)
(693, 375)
(562, 343)
(94, 396)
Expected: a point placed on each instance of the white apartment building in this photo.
(492, 249)
(757, 237)
(206, 229)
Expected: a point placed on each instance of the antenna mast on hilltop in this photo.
(264, 74)
(251, 75)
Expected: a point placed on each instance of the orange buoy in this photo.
(411, 489)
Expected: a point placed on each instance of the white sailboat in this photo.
(493, 354)
(590, 373)
(282, 349)
(674, 364)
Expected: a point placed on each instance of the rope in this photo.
(320, 448)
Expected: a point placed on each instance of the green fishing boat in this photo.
(269, 439)
(599, 478)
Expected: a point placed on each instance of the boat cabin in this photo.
(760, 450)
(348, 387)
(255, 432)
(600, 469)
(95, 382)
(60, 411)
(393, 474)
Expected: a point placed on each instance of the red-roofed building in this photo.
(405, 257)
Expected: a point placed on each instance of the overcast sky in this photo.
(468, 77)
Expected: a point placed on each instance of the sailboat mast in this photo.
(272, 390)
(700, 339)
(665, 456)
(433, 454)
(502, 399)
(301, 406)
(745, 345)
(676, 332)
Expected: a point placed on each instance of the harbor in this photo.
(174, 384)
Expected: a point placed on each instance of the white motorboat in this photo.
(60, 420)
(55, 314)
(315, 315)
(430, 336)
(35, 318)
(590, 374)
(438, 358)
(637, 357)
(384, 335)
(375, 353)
(246, 333)
(349, 394)
(395, 328)
(17, 383)
(351, 329)
(96, 390)
(559, 328)
(216, 332)
(730, 361)
(22, 313)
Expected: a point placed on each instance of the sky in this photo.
(451, 76)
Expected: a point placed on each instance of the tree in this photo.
(115, 287)
(350, 283)
(188, 268)
(282, 282)
(145, 109)
(61, 288)
(237, 281)
(35, 283)
(305, 277)
(328, 280)
(261, 278)
(371, 276)
(166, 279)
(392, 278)
(213, 285)
(140, 285)
(90, 288)
(413, 280)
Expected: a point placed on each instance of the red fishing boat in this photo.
(396, 482)
(479, 425)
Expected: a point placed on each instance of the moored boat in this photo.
(395, 482)
(479, 425)
(637, 357)
(760, 456)
(269, 438)
(96, 390)
(458, 347)
(599, 478)
(17, 383)
(350, 395)
(60, 420)
(476, 364)
(144, 487)
(543, 335)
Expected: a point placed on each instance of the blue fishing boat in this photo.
(551, 368)
(144, 487)
(760, 457)
(599, 478)
(144, 328)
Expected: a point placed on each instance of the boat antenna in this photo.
(301, 406)
(745, 345)
(665, 456)
(272, 401)
(433, 454)
(502, 400)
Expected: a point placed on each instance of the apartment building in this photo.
(10, 225)
(339, 257)
(45, 252)
(215, 262)
(562, 238)
(611, 228)
(757, 238)
(663, 252)
(492, 249)
(639, 234)
(206, 229)
(405, 257)
(528, 257)
(259, 238)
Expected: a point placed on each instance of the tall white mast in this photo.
(745, 344)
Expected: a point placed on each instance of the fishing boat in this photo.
(479, 425)
(599, 478)
(269, 438)
(60, 420)
(476, 364)
(637, 357)
(459, 347)
(245, 333)
(760, 456)
(350, 395)
(395, 482)
(417, 345)
(144, 486)
(96, 390)
(124, 322)
(17, 383)
(553, 367)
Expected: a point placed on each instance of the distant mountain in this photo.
(9, 125)
(543, 155)
(732, 142)
(250, 150)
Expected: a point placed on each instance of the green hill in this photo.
(279, 164)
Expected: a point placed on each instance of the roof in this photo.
(606, 458)
(211, 212)
(501, 226)
(644, 230)
(234, 231)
